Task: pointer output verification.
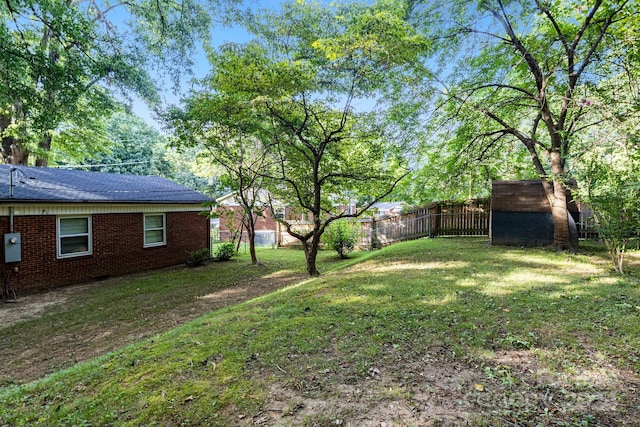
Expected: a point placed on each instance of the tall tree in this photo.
(302, 77)
(521, 72)
(232, 137)
(134, 148)
(57, 59)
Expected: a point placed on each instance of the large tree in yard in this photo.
(232, 136)
(523, 72)
(62, 62)
(302, 79)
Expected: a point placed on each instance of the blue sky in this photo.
(219, 35)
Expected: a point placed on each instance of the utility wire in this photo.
(102, 165)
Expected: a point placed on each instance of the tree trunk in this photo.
(12, 153)
(311, 253)
(251, 235)
(616, 252)
(45, 146)
(252, 248)
(560, 214)
(557, 196)
(618, 260)
(5, 121)
(15, 154)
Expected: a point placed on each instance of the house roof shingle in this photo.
(36, 184)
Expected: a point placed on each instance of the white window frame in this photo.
(163, 228)
(89, 235)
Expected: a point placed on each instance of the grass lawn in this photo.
(77, 323)
(448, 331)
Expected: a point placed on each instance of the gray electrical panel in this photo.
(12, 247)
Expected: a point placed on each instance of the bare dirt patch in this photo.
(436, 391)
(25, 360)
(31, 306)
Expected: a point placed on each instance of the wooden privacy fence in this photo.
(437, 219)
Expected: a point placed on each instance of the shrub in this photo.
(198, 257)
(225, 251)
(611, 190)
(342, 236)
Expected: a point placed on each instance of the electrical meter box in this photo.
(12, 247)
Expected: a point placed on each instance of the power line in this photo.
(101, 165)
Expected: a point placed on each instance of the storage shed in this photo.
(521, 214)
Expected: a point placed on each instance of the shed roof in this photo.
(36, 184)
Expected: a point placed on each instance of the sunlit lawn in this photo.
(530, 337)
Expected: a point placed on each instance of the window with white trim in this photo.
(74, 236)
(155, 230)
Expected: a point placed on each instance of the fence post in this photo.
(373, 234)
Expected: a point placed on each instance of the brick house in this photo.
(62, 227)
(268, 230)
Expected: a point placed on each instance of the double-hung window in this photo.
(74, 236)
(155, 230)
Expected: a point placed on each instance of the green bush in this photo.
(342, 236)
(198, 257)
(611, 190)
(225, 251)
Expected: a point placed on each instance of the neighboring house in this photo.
(268, 230)
(385, 209)
(62, 227)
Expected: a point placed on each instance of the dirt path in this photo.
(23, 362)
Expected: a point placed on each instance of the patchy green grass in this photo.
(445, 331)
(81, 322)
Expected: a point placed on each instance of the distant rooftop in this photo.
(385, 206)
(36, 184)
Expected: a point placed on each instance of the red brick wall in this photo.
(118, 241)
(264, 223)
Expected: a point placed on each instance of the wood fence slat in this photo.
(437, 219)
